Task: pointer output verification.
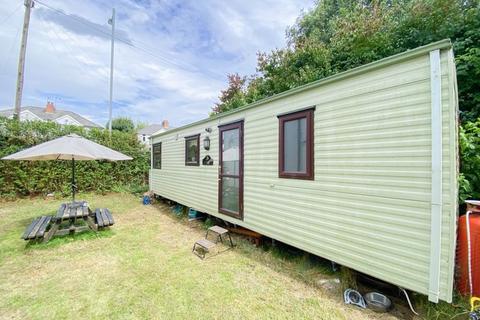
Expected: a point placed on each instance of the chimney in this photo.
(165, 124)
(50, 107)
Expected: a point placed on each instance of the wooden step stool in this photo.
(206, 244)
(219, 231)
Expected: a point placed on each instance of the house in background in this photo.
(50, 113)
(145, 133)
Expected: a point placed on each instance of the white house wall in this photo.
(67, 120)
(28, 116)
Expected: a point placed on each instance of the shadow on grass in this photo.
(57, 241)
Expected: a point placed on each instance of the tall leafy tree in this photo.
(467, 51)
(337, 35)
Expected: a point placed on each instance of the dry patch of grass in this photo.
(143, 268)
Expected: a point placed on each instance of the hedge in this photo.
(24, 178)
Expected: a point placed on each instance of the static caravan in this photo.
(359, 168)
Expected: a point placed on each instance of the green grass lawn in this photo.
(143, 268)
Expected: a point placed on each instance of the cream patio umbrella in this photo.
(69, 147)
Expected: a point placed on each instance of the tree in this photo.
(123, 124)
(232, 97)
(140, 125)
(337, 35)
(467, 51)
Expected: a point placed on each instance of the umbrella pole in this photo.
(73, 179)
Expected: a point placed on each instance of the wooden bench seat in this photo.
(37, 228)
(103, 218)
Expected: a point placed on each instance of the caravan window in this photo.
(192, 150)
(157, 155)
(295, 158)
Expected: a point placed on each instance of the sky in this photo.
(171, 57)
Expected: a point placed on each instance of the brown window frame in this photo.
(309, 168)
(153, 155)
(197, 158)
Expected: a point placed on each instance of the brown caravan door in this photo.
(230, 175)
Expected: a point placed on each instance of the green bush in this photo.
(123, 124)
(23, 178)
(469, 142)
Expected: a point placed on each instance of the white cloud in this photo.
(186, 49)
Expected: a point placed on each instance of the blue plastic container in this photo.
(194, 214)
(146, 200)
(177, 209)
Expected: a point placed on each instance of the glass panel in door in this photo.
(231, 170)
(231, 152)
(230, 194)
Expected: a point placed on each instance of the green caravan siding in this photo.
(369, 205)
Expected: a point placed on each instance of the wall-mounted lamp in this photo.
(206, 143)
(208, 130)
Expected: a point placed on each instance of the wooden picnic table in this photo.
(67, 218)
(66, 221)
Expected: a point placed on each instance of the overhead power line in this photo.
(9, 53)
(11, 14)
(134, 44)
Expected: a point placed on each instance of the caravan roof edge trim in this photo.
(442, 44)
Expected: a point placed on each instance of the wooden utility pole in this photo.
(112, 22)
(21, 59)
